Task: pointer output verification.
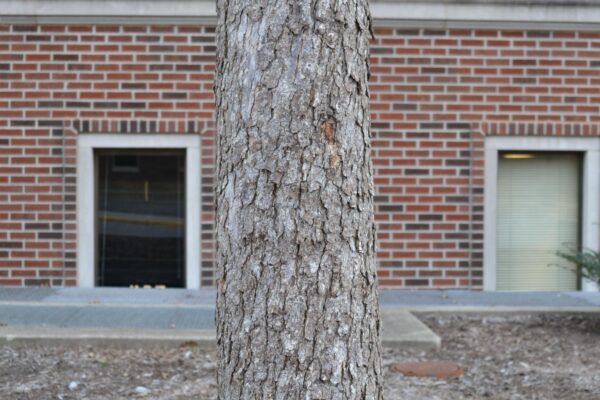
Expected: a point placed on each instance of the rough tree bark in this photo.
(297, 306)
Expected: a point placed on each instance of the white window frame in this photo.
(590, 216)
(86, 207)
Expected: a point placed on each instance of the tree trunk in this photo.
(297, 306)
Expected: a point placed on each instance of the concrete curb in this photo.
(400, 330)
(496, 309)
(26, 335)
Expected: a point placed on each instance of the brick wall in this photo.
(57, 82)
(435, 95)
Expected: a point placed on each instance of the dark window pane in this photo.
(141, 218)
(125, 161)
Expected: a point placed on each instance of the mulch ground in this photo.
(510, 356)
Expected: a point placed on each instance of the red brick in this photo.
(426, 92)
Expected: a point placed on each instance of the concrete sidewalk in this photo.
(143, 316)
(478, 301)
(411, 300)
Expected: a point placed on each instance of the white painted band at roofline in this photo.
(441, 11)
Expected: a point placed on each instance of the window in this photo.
(558, 154)
(538, 211)
(140, 218)
(138, 210)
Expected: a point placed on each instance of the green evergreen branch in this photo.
(587, 260)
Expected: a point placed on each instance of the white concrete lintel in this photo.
(109, 8)
(531, 14)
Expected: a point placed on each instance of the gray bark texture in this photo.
(297, 304)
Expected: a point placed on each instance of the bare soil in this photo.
(508, 357)
(504, 356)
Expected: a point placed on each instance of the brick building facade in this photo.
(450, 97)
